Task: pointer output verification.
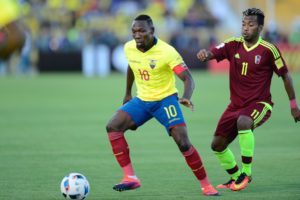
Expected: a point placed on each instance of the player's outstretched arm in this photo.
(189, 86)
(129, 83)
(205, 55)
(288, 84)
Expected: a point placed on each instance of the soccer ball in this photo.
(75, 186)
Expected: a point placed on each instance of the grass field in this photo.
(54, 124)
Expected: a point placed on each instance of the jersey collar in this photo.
(253, 47)
(155, 40)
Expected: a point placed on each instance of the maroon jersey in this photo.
(251, 69)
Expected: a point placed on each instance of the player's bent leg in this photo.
(246, 140)
(193, 159)
(227, 160)
(119, 123)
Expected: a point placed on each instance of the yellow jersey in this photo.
(153, 69)
(9, 12)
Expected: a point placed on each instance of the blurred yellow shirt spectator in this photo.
(9, 11)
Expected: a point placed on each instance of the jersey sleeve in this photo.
(174, 58)
(223, 50)
(277, 61)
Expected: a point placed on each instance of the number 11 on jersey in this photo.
(244, 68)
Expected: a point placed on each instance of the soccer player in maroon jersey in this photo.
(252, 63)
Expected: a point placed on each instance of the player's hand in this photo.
(127, 98)
(202, 55)
(187, 103)
(296, 114)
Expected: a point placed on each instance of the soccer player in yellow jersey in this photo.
(12, 37)
(152, 64)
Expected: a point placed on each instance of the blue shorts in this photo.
(167, 111)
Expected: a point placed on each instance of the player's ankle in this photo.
(132, 177)
(204, 182)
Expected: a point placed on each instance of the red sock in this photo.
(194, 161)
(121, 151)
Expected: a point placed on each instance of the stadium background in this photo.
(54, 123)
(87, 35)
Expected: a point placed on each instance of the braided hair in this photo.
(255, 12)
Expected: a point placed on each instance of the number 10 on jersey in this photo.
(171, 111)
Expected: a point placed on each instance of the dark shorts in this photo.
(167, 111)
(227, 125)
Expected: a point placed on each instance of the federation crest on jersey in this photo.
(257, 59)
(152, 63)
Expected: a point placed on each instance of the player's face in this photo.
(250, 28)
(142, 33)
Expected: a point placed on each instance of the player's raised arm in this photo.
(204, 55)
(288, 84)
(189, 87)
(129, 83)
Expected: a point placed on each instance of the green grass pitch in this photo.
(54, 124)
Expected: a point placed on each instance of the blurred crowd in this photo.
(69, 25)
(57, 25)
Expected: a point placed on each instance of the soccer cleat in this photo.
(210, 191)
(127, 184)
(226, 185)
(241, 182)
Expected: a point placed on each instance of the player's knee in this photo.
(184, 146)
(109, 127)
(112, 127)
(117, 124)
(183, 143)
(180, 136)
(244, 123)
(218, 147)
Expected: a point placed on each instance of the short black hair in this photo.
(255, 12)
(146, 18)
